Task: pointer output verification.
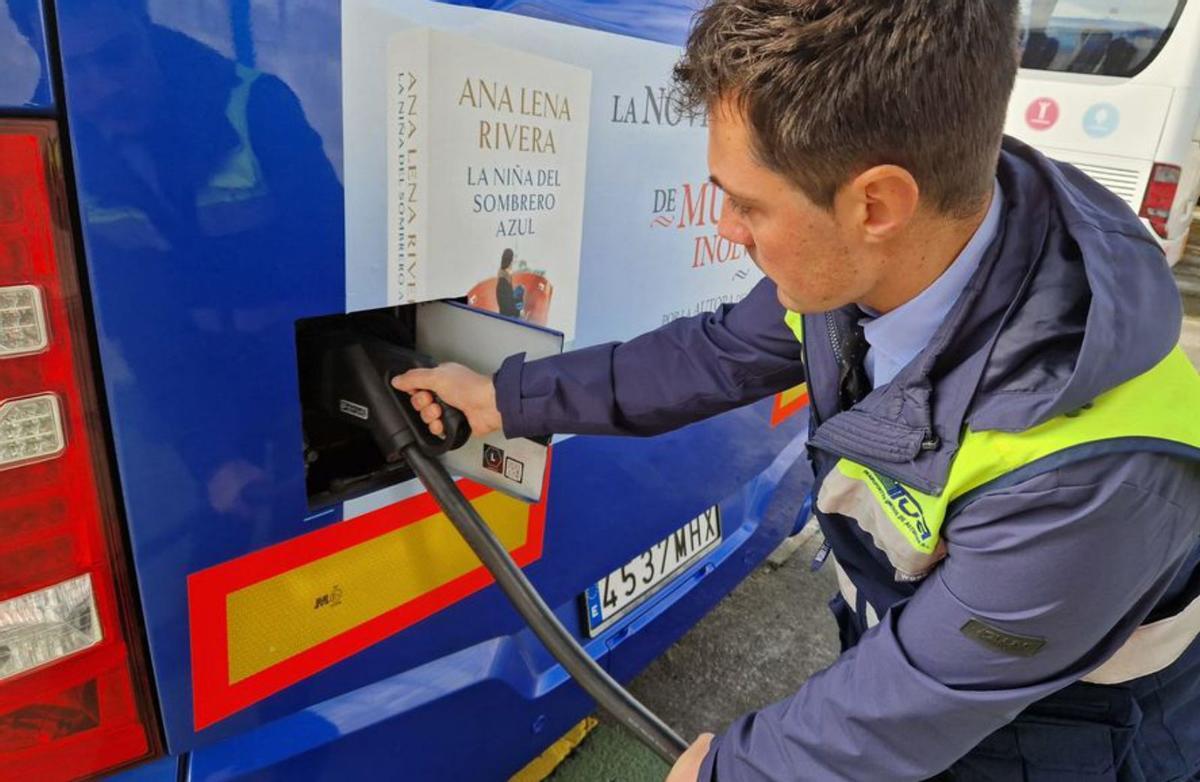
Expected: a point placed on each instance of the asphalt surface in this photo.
(1187, 271)
(757, 646)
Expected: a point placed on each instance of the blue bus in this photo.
(200, 578)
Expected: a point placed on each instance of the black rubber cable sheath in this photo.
(610, 695)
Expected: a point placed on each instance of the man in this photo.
(1009, 478)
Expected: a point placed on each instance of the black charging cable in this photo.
(357, 370)
(609, 695)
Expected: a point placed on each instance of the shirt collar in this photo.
(896, 337)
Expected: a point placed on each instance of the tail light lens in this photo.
(1160, 197)
(74, 696)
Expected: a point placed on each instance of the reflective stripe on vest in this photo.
(1142, 414)
(795, 322)
(239, 176)
(223, 202)
(231, 200)
(850, 593)
(1147, 413)
(1151, 648)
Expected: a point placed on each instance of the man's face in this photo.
(813, 258)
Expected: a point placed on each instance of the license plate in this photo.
(628, 586)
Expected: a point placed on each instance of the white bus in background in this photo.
(1113, 87)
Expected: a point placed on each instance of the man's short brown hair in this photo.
(830, 88)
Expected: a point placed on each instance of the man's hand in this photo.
(457, 386)
(687, 768)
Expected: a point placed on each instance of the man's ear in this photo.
(878, 204)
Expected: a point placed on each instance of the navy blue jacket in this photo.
(1072, 299)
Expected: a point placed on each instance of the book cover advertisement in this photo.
(545, 171)
(487, 163)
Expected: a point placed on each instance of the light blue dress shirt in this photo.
(898, 336)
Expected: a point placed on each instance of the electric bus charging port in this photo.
(343, 461)
(352, 419)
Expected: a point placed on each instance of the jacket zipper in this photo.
(836, 343)
(835, 339)
(816, 414)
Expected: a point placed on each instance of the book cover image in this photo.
(487, 160)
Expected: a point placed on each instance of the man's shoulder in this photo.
(1124, 479)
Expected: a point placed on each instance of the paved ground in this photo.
(1187, 271)
(1188, 266)
(757, 646)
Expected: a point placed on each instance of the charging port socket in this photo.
(344, 461)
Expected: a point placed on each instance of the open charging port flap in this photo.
(343, 460)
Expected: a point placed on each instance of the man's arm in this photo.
(1077, 557)
(688, 369)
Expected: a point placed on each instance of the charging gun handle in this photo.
(455, 433)
(456, 430)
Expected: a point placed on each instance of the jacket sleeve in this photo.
(1077, 557)
(688, 369)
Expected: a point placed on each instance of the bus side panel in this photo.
(201, 257)
(25, 84)
(207, 142)
(474, 714)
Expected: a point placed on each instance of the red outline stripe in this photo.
(781, 412)
(214, 698)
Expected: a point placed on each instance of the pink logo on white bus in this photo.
(1042, 114)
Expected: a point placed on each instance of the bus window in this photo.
(1095, 37)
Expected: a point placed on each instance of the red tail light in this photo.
(74, 699)
(1160, 197)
